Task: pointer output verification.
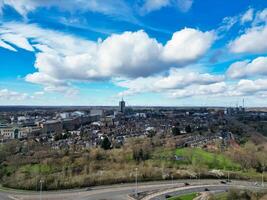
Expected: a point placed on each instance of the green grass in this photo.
(185, 197)
(212, 160)
(222, 196)
(37, 169)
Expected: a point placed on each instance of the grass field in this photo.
(212, 160)
(222, 196)
(185, 197)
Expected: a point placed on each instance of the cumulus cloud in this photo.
(237, 69)
(182, 83)
(255, 88)
(62, 58)
(176, 79)
(200, 90)
(51, 84)
(253, 41)
(250, 87)
(247, 68)
(12, 96)
(190, 44)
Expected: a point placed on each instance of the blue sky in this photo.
(151, 52)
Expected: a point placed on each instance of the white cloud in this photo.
(184, 5)
(180, 79)
(247, 16)
(6, 46)
(153, 5)
(183, 83)
(247, 68)
(51, 84)
(237, 69)
(18, 41)
(39, 93)
(63, 58)
(22, 6)
(177, 79)
(6, 94)
(131, 53)
(254, 88)
(107, 7)
(187, 44)
(200, 90)
(250, 87)
(260, 17)
(44, 79)
(252, 41)
(227, 24)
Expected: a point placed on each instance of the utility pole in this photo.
(172, 179)
(41, 187)
(136, 184)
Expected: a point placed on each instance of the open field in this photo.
(212, 160)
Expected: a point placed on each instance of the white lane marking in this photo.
(12, 197)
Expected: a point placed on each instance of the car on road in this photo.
(167, 196)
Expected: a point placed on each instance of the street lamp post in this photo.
(41, 187)
(136, 184)
(262, 177)
(100, 177)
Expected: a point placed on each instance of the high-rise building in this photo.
(122, 106)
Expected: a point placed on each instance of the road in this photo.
(193, 189)
(120, 192)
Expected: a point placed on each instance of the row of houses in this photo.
(45, 127)
(17, 132)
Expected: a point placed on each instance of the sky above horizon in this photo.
(150, 52)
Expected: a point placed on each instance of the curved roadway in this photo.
(121, 192)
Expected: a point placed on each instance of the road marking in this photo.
(177, 189)
(12, 197)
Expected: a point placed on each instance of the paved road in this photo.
(115, 192)
(193, 189)
(4, 196)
